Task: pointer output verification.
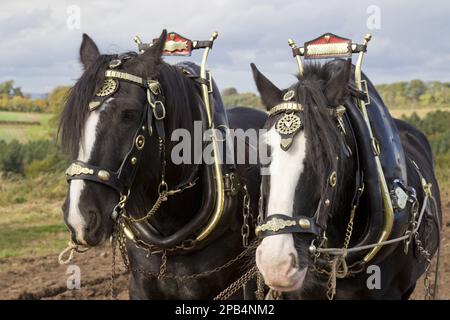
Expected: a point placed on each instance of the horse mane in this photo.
(179, 91)
(320, 127)
(75, 112)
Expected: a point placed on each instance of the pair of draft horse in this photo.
(348, 186)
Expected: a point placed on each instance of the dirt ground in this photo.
(44, 278)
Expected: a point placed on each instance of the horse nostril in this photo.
(93, 220)
(294, 263)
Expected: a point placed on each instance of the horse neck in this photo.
(178, 209)
(340, 215)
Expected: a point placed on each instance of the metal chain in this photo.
(163, 266)
(259, 293)
(163, 194)
(113, 265)
(427, 256)
(201, 274)
(245, 229)
(238, 284)
(349, 230)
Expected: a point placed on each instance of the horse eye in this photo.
(129, 114)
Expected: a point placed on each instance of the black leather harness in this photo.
(275, 224)
(154, 111)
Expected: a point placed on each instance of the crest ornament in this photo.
(109, 87)
(288, 124)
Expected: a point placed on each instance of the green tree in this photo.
(12, 157)
(416, 88)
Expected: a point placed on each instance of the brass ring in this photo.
(333, 179)
(163, 187)
(140, 142)
(163, 112)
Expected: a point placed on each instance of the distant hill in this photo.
(414, 94)
(231, 98)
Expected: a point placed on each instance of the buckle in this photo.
(365, 91)
(231, 184)
(159, 110)
(209, 79)
(154, 87)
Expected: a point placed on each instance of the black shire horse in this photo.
(300, 179)
(99, 135)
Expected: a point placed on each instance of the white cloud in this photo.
(39, 52)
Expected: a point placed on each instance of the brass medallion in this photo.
(288, 124)
(109, 87)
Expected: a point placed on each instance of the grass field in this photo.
(30, 217)
(27, 130)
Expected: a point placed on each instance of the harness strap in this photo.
(281, 224)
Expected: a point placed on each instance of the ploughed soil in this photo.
(43, 278)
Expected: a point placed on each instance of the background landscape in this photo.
(32, 185)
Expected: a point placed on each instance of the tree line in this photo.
(398, 95)
(13, 99)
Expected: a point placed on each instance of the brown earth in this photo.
(44, 278)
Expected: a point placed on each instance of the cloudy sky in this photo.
(39, 40)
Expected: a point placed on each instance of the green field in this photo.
(27, 130)
(31, 220)
(30, 208)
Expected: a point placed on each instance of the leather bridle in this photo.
(154, 111)
(316, 225)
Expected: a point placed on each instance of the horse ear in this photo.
(152, 55)
(270, 94)
(88, 51)
(336, 89)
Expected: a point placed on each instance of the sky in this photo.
(40, 40)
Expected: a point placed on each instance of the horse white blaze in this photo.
(75, 219)
(276, 256)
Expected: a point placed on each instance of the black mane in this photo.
(171, 78)
(76, 109)
(320, 127)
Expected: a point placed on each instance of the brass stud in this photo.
(133, 161)
(140, 142)
(103, 175)
(327, 202)
(333, 179)
(304, 223)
